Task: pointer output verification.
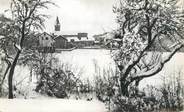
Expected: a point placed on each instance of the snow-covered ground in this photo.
(86, 59)
(51, 105)
(84, 62)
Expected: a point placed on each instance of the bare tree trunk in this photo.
(10, 77)
(12, 69)
(124, 87)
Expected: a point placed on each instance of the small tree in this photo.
(26, 19)
(5, 43)
(146, 25)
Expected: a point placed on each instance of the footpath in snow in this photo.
(51, 105)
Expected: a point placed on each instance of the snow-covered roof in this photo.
(74, 36)
(45, 34)
(76, 39)
(66, 33)
(60, 36)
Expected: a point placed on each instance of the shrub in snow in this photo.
(169, 97)
(163, 99)
(134, 103)
(105, 87)
(172, 92)
(56, 82)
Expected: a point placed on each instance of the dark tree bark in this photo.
(10, 77)
(124, 87)
(26, 17)
(12, 69)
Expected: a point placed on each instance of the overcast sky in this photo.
(91, 16)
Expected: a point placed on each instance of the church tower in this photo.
(57, 25)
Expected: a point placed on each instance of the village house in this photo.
(46, 43)
(80, 40)
(66, 41)
(106, 40)
(59, 40)
(46, 40)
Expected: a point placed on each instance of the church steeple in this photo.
(57, 24)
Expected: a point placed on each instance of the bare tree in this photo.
(6, 39)
(146, 26)
(26, 18)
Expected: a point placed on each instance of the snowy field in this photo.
(86, 59)
(84, 62)
(51, 105)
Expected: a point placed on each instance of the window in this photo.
(46, 38)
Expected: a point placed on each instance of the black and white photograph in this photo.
(91, 55)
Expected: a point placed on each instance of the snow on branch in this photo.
(18, 47)
(157, 68)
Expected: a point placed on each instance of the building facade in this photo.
(46, 43)
(61, 43)
(77, 40)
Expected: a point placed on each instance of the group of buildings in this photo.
(58, 41)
